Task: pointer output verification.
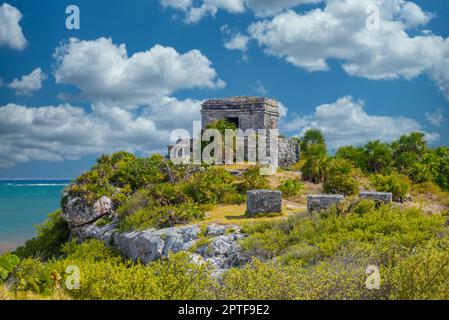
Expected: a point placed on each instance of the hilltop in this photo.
(186, 232)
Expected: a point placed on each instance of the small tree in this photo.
(377, 156)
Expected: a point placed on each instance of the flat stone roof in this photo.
(236, 101)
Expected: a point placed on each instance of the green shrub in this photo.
(211, 186)
(8, 262)
(117, 176)
(397, 184)
(378, 228)
(155, 216)
(291, 187)
(105, 276)
(253, 180)
(51, 235)
(341, 178)
(364, 206)
(316, 164)
(422, 275)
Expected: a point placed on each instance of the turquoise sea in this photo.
(24, 204)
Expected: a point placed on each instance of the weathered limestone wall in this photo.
(381, 197)
(322, 201)
(263, 201)
(288, 152)
(252, 112)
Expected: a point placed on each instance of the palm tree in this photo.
(378, 156)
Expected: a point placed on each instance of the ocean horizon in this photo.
(23, 205)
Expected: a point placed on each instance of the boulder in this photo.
(322, 201)
(263, 201)
(223, 252)
(153, 244)
(77, 212)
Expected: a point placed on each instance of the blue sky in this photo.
(89, 96)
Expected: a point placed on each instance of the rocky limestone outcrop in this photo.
(221, 249)
(77, 212)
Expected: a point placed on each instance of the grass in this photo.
(235, 214)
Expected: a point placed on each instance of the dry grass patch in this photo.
(235, 214)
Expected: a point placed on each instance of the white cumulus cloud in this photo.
(345, 122)
(104, 72)
(237, 42)
(130, 103)
(436, 118)
(339, 31)
(56, 133)
(11, 34)
(28, 84)
(195, 11)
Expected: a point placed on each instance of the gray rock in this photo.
(215, 229)
(77, 212)
(322, 201)
(151, 245)
(380, 197)
(263, 201)
(223, 252)
(104, 233)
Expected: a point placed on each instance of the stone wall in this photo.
(288, 150)
(251, 112)
(322, 201)
(380, 197)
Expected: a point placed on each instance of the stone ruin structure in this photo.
(322, 201)
(250, 113)
(245, 112)
(325, 201)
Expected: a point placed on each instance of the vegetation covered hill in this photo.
(295, 255)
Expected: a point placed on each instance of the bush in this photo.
(8, 262)
(381, 229)
(211, 186)
(291, 187)
(341, 178)
(397, 184)
(252, 180)
(155, 216)
(118, 176)
(51, 235)
(105, 276)
(422, 275)
(316, 164)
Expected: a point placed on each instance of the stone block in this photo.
(380, 197)
(322, 201)
(263, 201)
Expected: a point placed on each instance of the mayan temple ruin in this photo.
(250, 113)
(245, 112)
